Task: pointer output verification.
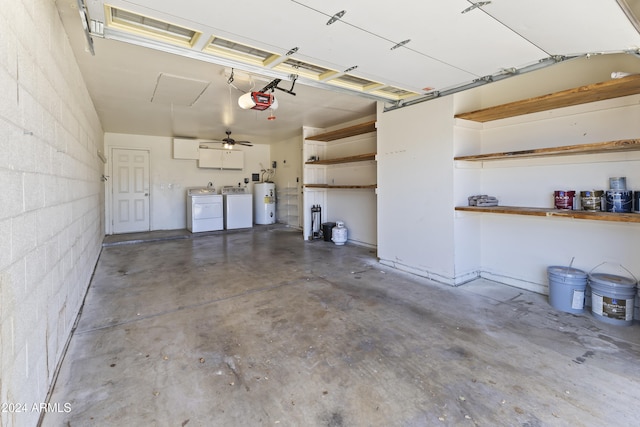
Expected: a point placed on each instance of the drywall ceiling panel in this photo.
(176, 90)
(568, 26)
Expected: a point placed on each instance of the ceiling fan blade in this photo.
(245, 143)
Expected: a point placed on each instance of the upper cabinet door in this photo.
(210, 158)
(221, 159)
(233, 159)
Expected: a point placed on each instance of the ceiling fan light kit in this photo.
(229, 142)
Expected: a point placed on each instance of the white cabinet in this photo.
(221, 159)
(232, 159)
(184, 148)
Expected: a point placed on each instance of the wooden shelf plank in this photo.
(598, 147)
(550, 212)
(349, 159)
(354, 130)
(614, 88)
(339, 186)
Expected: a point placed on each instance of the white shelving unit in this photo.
(567, 98)
(287, 206)
(340, 166)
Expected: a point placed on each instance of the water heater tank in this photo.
(264, 203)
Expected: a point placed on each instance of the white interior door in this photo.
(130, 190)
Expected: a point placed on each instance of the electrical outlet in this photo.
(273, 164)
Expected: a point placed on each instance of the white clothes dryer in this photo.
(238, 208)
(204, 210)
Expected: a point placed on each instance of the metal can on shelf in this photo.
(564, 199)
(619, 201)
(591, 200)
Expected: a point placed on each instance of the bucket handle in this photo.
(567, 269)
(620, 265)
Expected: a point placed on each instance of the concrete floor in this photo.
(258, 328)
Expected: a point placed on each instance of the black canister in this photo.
(326, 230)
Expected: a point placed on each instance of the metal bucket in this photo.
(567, 288)
(612, 298)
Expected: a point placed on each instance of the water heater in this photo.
(264, 202)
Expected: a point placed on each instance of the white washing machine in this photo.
(265, 202)
(204, 210)
(238, 208)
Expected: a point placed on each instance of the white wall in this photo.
(51, 203)
(170, 178)
(288, 179)
(517, 250)
(415, 189)
(419, 184)
(357, 208)
(467, 228)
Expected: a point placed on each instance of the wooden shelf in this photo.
(550, 212)
(338, 186)
(359, 129)
(615, 88)
(350, 159)
(598, 147)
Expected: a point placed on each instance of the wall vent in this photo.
(149, 27)
(240, 52)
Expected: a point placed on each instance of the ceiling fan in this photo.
(230, 142)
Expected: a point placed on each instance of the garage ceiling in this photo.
(338, 56)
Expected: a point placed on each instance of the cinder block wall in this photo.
(51, 200)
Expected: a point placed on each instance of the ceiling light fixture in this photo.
(350, 69)
(336, 17)
(402, 43)
(475, 6)
(292, 51)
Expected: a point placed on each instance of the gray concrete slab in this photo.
(259, 328)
